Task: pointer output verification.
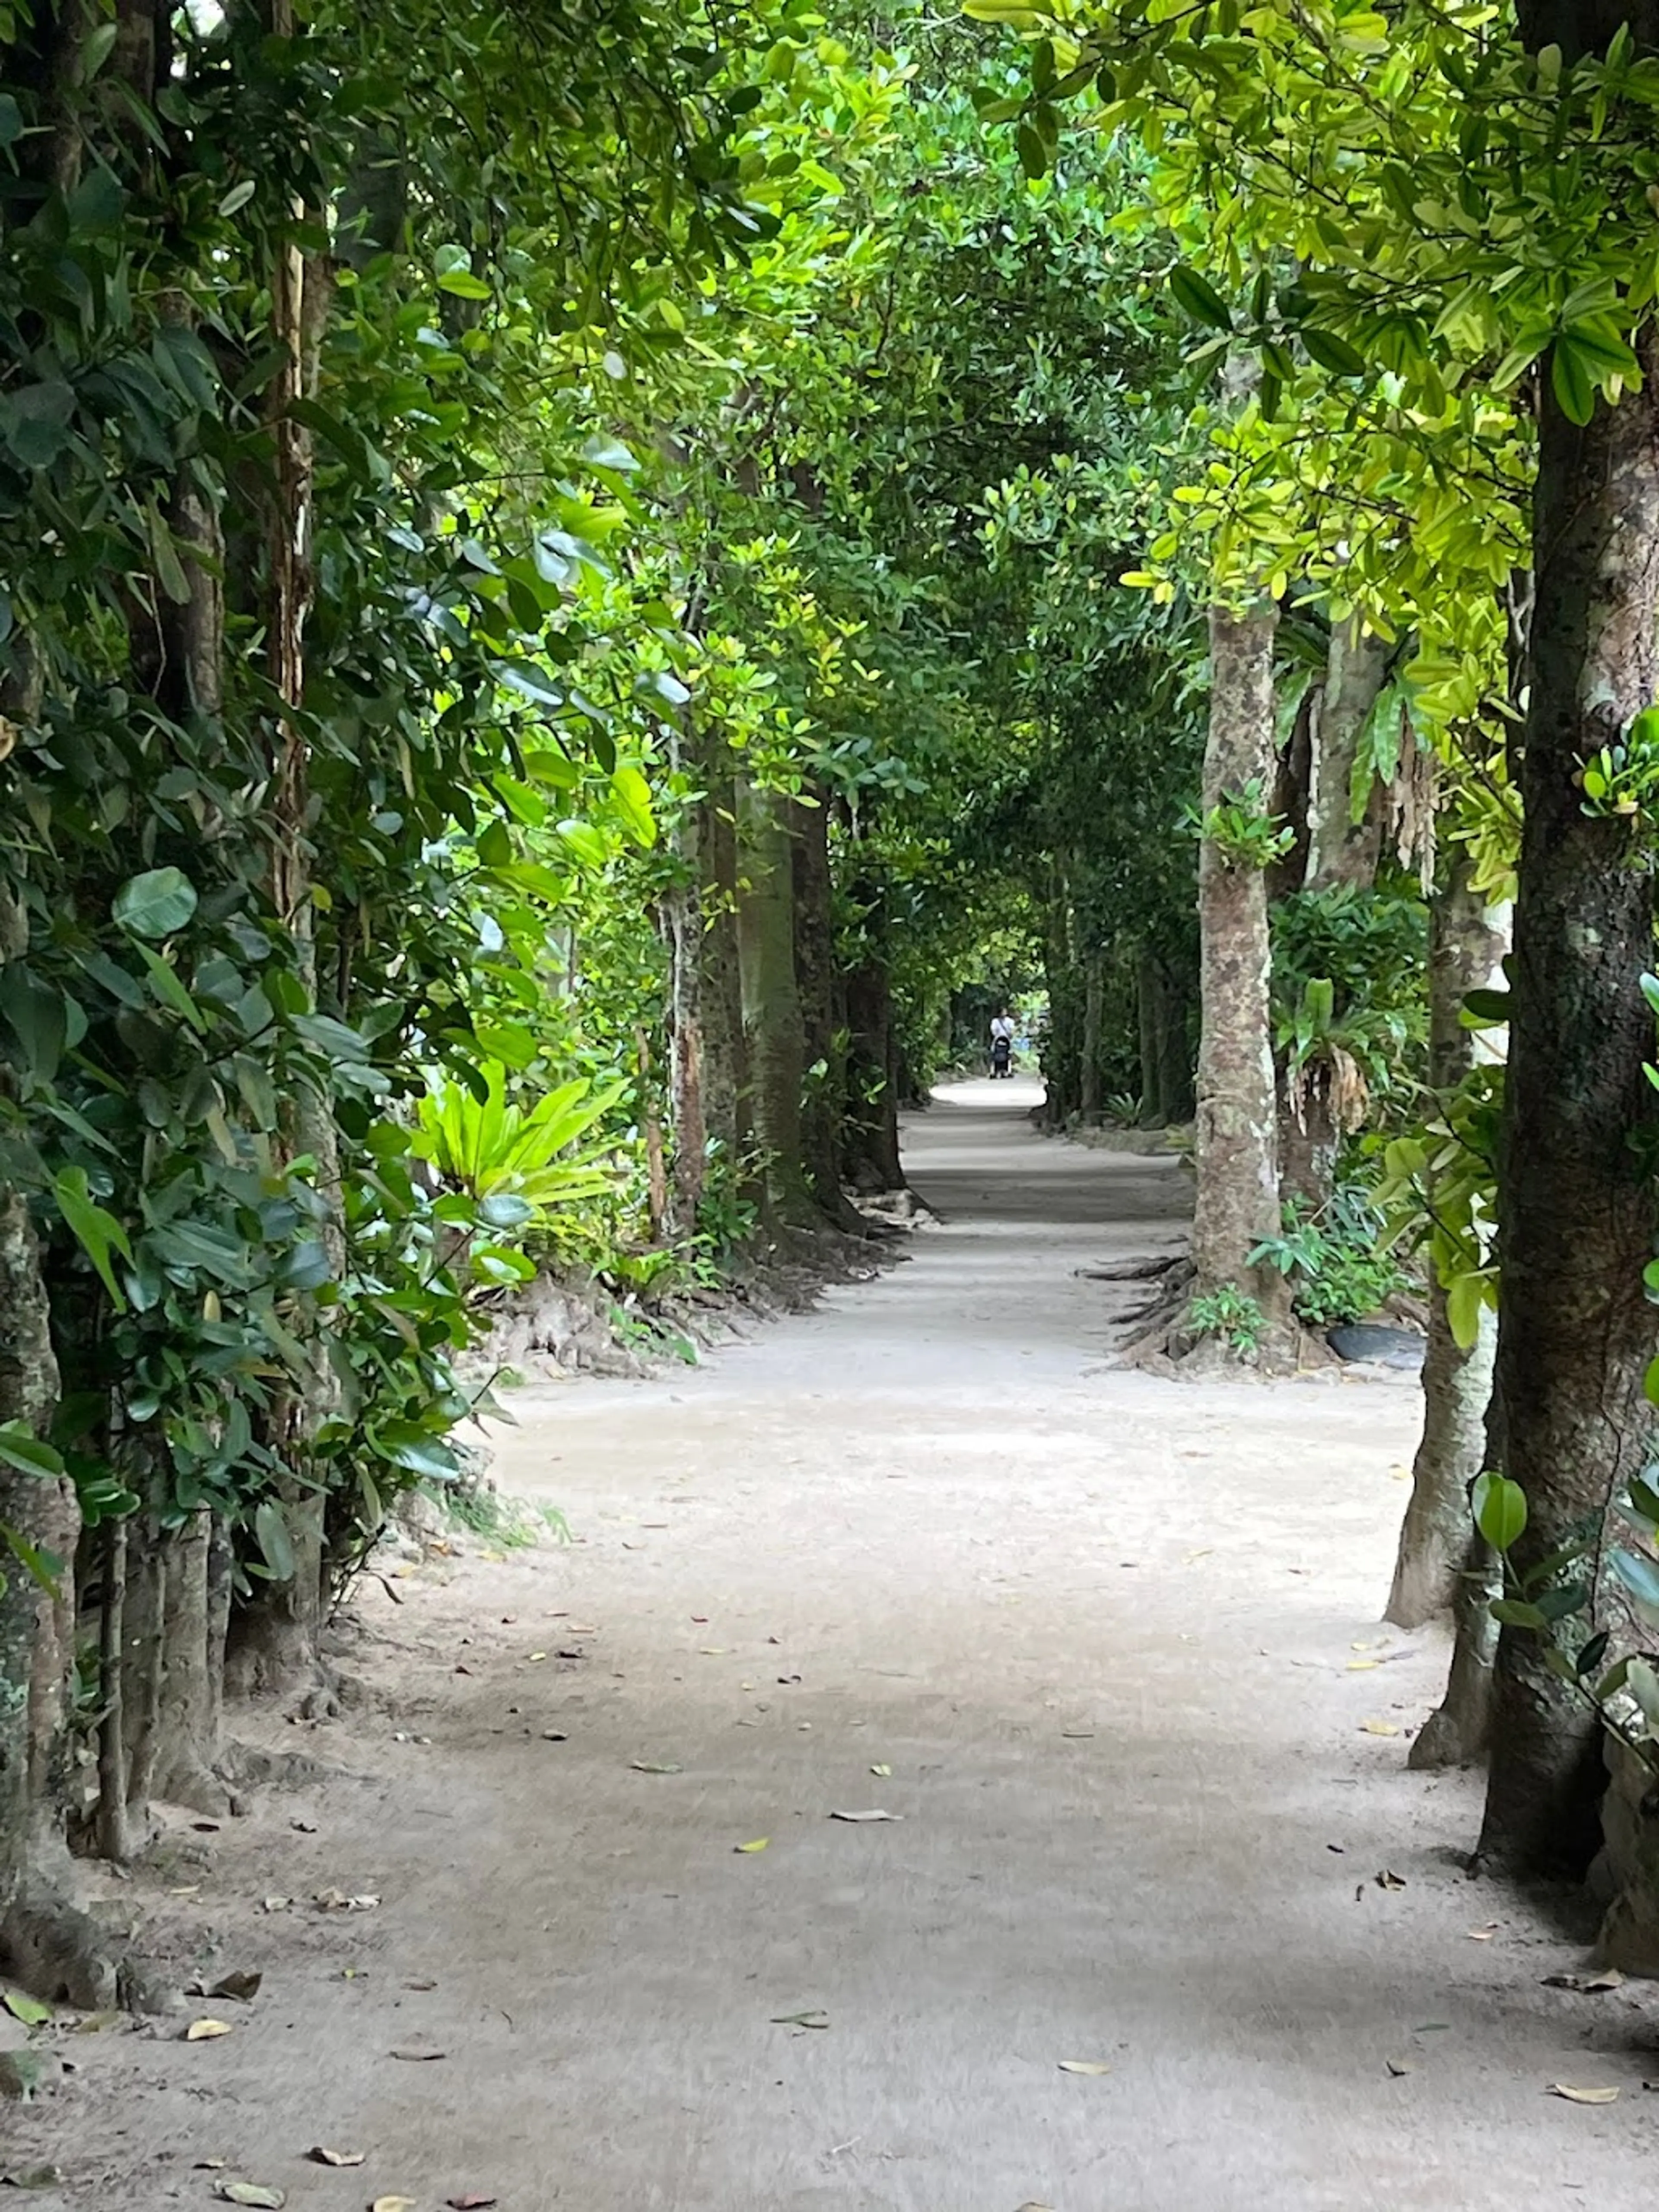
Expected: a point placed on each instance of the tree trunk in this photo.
(1576, 1214)
(1468, 942)
(1094, 994)
(728, 1105)
(1341, 850)
(870, 1135)
(773, 1024)
(683, 912)
(1237, 1146)
(825, 1079)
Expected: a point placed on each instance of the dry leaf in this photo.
(251, 2192)
(1583, 2096)
(1483, 1935)
(1359, 1666)
(335, 1901)
(814, 2019)
(536, 1656)
(419, 1985)
(33, 2177)
(1379, 1728)
(653, 1767)
(420, 2057)
(204, 2031)
(469, 2201)
(712, 1651)
(209, 2164)
(1398, 2066)
(1609, 1978)
(276, 1904)
(392, 2204)
(320, 2155)
(243, 1984)
(1033, 2206)
(1388, 1879)
(304, 1827)
(1084, 2066)
(884, 1772)
(876, 1815)
(759, 1845)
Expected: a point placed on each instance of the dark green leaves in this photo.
(1333, 353)
(1199, 298)
(154, 904)
(34, 422)
(98, 1233)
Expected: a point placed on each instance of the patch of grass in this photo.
(505, 1523)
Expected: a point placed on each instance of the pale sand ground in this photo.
(1102, 1628)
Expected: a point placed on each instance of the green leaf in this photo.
(1333, 353)
(1516, 1613)
(98, 1233)
(22, 1449)
(28, 2010)
(1199, 298)
(271, 1528)
(95, 50)
(633, 796)
(463, 284)
(1500, 1509)
(1033, 153)
(34, 420)
(1640, 1576)
(1485, 1010)
(154, 904)
(1571, 377)
(238, 197)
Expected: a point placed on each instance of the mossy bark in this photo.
(1577, 1215)
(1237, 1135)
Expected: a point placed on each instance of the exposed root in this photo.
(1132, 1271)
(60, 1955)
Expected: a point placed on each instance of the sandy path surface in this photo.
(1114, 1639)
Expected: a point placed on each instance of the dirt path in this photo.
(1114, 1639)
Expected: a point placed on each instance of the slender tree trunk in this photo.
(683, 918)
(1468, 942)
(1575, 1211)
(1094, 994)
(773, 1023)
(871, 1133)
(1237, 1146)
(728, 1103)
(825, 1081)
(1341, 849)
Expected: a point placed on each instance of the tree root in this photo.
(60, 1955)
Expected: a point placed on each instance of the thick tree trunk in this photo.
(1577, 1214)
(1237, 1135)
(1341, 850)
(682, 914)
(773, 1023)
(1468, 942)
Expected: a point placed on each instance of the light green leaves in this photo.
(1500, 1509)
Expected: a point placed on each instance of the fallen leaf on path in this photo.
(420, 2057)
(320, 2155)
(251, 2192)
(654, 1767)
(1359, 1666)
(1078, 1735)
(275, 1904)
(555, 1736)
(209, 2166)
(28, 2010)
(711, 1651)
(419, 1985)
(1033, 2206)
(243, 1984)
(884, 1772)
(33, 2177)
(1398, 2066)
(470, 2201)
(759, 1845)
(875, 1815)
(577, 1628)
(1388, 1879)
(392, 2204)
(1483, 1935)
(1609, 1978)
(568, 1654)
(536, 1656)
(814, 2019)
(335, 1901)
(204, 2031)
(1583, 2096)
(303, 1827)
(1084, 2066)
(1379, 1728)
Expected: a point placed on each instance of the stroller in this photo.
(1002, 1056)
